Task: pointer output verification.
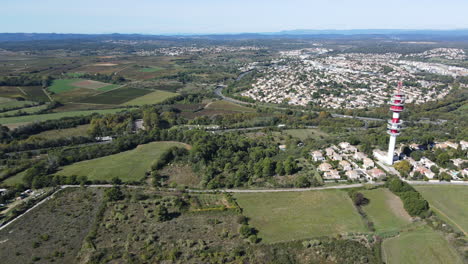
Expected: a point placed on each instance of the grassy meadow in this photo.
(151, 98)
(385, 210)
(285, 216)
(43, 117)
(128, 166)
(63, 85)
(228, 106)
(303, 133)
(422, 245)
(77, 131)
(116, 96)
(449, 202)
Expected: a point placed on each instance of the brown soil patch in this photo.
(105, 64)
(396, 205)
(90, 84)
(181, 174)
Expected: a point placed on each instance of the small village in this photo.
(352, 80)
(345, 162)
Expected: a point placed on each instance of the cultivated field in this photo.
(33, 118)
(288, 216)
(81, 130)
(228, 106)
(151, 69)
(385, 210)
(116, 96)
(128, 166)
(151, 98)
(28, 110)
(450, 202)
(302, 134)
(419, 246)
(60, 86)
(52, 232)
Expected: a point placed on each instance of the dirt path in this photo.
(396, 205)
(446, 216)
(19, 88)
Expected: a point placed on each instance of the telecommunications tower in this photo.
(394, 125)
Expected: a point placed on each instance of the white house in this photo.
(368, 163)
(317, 156)
(325, 167)
(345, 165)
(352, 174)
(331, 175)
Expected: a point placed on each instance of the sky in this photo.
(223, 16)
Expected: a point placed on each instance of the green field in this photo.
(449, 202)
(385, 210)
(128, 166)
(284, 216)
(304, 133)
(151, 69)
(151, 98)
(44, 117)
(29, 110)
(6, 103)
(66, 132)
(419, 246)
(116, 96)
(15, 179)
(64, 85)
(60, 86)
(107, 87)
(228, 106)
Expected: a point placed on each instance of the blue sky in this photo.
(223, 16)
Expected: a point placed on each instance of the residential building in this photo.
(325, 167)
(331, 175)
(368, 163)
(345, 165)
(317, 156)
(352, 174)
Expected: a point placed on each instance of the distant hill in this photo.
(403, 34)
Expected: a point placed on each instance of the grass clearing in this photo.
(284, 216)
(128, 166)
(422, 245)
(449, 202)
(303, 133)
(52, 116)
(63, 85)
(81, 130)
(224, 105)
(28, 110)
(54, 231)
(151, 69)
(385, 210)
(151, 98)
(116, 96)
(15, 179)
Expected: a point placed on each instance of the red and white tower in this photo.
(394, 125)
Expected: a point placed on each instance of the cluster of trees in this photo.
(47, 109)
(25, 131)
(26, 80)
(6, 109)
(107, 78)
(413, 202)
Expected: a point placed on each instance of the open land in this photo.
(151, 98)
(385, 210)
(422, 245)
(291, 215)
(450, 202)
(128, 166)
